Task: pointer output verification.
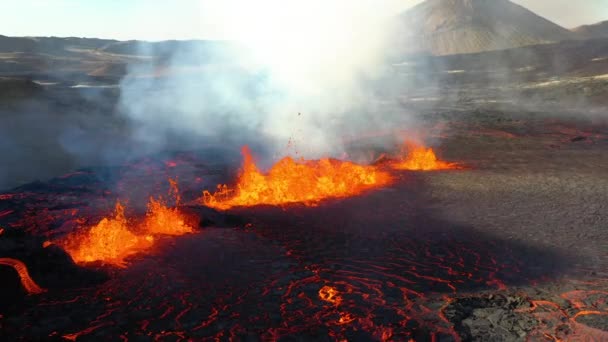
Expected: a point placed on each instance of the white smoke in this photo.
(298, 72)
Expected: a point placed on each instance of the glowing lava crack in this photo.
(291, 181)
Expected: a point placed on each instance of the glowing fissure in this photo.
(114, 239)
(26, 281)
(420, 158)
(291, 181)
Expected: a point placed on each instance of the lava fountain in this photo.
(161, 219)
(420, 158)
(114, 238)
(109, 241)
(291, 181)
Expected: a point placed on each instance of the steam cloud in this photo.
(301, 72)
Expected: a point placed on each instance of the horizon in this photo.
(198, 19)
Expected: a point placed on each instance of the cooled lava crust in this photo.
(380, 266)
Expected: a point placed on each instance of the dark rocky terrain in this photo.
(510, 248)
(83, 60)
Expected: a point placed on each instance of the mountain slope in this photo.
(597, 30)
(444, 27)
(49, 45)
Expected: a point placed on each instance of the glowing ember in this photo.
(330, 295)
(346, 318)
(111, 240)
(290, 181)
(28, 283)
(422, 158)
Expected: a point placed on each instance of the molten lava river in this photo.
(310, 250)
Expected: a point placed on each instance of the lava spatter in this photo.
(420, 158)
(109, 241)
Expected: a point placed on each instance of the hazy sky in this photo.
(187, 19)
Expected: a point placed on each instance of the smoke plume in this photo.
(301, 74)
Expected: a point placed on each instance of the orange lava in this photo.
(420, 158)
(26, 281)
(109, 241)
(114, 239)
(330, 295)
(291, 181)
(161, 219)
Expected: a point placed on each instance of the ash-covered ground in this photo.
(512, 247)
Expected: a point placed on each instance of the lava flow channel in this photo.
(28, 283)
(112, 240)
(420, 158)
(291, 181)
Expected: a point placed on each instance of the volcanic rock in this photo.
(208, 217)
(491, 317)
(54, 268)
(11, 290)
(597, 321)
